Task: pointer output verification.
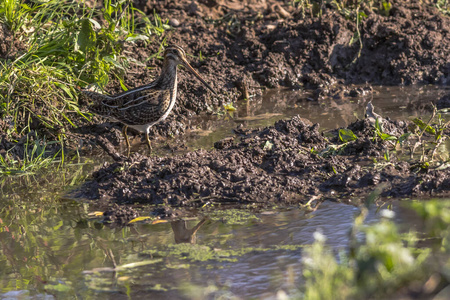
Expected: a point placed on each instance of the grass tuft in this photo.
(59, 47)
(36, 157)
(69, 45)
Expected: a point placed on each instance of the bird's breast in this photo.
(170, 103)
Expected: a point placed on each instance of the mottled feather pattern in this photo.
(148, 107)
(138, 106)
(142, 107)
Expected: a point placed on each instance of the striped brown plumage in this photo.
(144, 106)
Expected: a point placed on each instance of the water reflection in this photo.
(181, 232)
(48, 246)
(53, 249)
(392, 102)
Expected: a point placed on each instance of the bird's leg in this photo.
(124, 132)
(148, 142)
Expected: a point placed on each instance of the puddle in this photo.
(394, 102)
(52, 249)
(49, 249)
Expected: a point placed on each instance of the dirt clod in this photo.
(270, 166)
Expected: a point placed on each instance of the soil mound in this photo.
(243, 45)
(274, 44)
(9, 46)
(444, 102)
(271, 166)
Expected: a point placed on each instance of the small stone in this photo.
(174, 22)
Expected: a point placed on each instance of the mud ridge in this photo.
(260, 44)
(269, 44)
(270, 166)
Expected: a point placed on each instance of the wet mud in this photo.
(271, 44)
(267, 167)
(10, 47)
(251, 45)
(443, 102)
(242, 48)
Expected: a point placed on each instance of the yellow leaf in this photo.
(123, 278)
(159, 221)
(95, 214)
(138, 219)
(229, 107)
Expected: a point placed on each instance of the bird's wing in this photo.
(149, 96)
(94, 96)
(144, 109)
(142, 105)
(125, 98)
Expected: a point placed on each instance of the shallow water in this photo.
(50, 248)
(390, 102)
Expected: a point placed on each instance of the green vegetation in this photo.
(425, 142)
(233, 216)
(48, 246)
(356, 11)
(380, 262)
(58, 47)
(35, 158)
(351, 9)
(385, 262)
(430, 138)
(202, 253)
(195, 253)
(33, 229)
(443, 6)
(346, 135)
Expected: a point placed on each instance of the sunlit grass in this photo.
(35, 158)
(68, 46)
(443, 6)
(12, 13)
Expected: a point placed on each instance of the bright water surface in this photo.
(394, 102)
(51, 249)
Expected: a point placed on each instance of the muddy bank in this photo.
(262, 44)
(17, 147)
(443, 102)
(288, 163)
(273, 44)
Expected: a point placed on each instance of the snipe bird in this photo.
(144, 106)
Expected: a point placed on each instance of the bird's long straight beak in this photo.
(191, 69)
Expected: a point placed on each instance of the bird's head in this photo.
(177, 54)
